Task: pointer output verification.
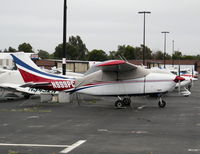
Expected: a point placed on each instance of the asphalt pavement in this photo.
(93, 126)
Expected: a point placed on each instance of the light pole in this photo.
(165, 32)
(172, 53)
(64, 37)
(144, 48)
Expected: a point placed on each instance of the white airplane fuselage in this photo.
(153, 83)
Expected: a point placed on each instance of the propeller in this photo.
(179, 79)
(179, 74)
(192, 77)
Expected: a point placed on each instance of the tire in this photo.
(127, 101)
(119, 104)
(161, 104)
(27, 96)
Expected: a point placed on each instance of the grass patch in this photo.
(34, 109)
(12, 152)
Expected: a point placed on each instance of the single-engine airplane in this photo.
(110, 78)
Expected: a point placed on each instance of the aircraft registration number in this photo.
(63, 84)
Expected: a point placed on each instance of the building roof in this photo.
(167, 62)
(7, 55)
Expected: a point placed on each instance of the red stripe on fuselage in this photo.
(124, 82)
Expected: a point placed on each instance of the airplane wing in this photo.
(117, 65)
(8, 86)
(124, 70)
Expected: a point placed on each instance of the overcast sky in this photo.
(102, 24)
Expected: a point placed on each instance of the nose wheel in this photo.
(161, 103)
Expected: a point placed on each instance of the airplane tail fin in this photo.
(30, 71)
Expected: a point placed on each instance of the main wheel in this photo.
(27, 96)
(119, 104)
(161, 104)
(127, 101)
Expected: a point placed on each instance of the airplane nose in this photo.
(179, 78)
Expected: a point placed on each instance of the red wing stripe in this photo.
(110, 63)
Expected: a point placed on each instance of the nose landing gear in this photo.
(161, 103)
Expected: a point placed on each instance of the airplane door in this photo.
(134, 86)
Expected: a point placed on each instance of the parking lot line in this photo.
(67, 149)
(194, 150)
(73, 146)
(34, 145)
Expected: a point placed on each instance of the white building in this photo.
(6, 60)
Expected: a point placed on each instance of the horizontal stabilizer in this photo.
(32, 84)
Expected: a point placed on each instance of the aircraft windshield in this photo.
(92, 69)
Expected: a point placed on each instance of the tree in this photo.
(71, 52)
(167, 56)
(10, 49)
(26, 47)
(158, 55)
(58, 51)
(97, 55)
(139, 53)
(130, 52)
(75, 49)
(148, 53)
(5, 50)
(198, 57)
(112, 55)
(189, 57)
(177, 55)
(43, 54)
(126, 51)
(78, 47)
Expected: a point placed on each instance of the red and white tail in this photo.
(31, 73)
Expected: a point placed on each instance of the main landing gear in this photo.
(120, 103)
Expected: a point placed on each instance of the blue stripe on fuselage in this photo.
(21, 63)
